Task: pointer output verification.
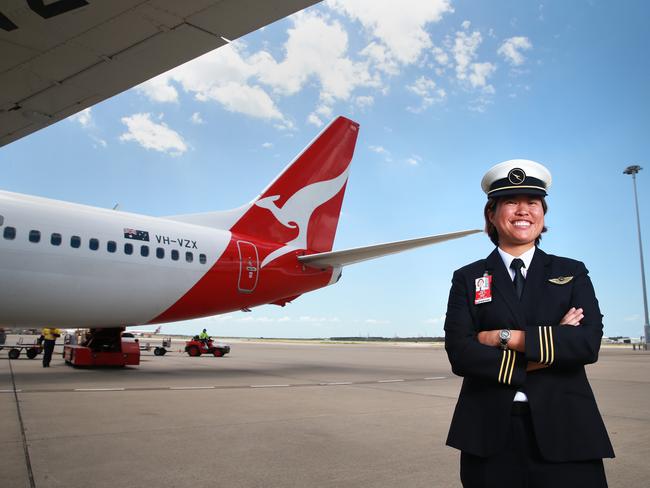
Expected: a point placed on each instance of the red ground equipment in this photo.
(196, 347)
(103, 347)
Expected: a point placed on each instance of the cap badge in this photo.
(516, 176)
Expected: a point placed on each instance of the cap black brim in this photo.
(508, 192)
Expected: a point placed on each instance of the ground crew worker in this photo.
(49, 335)
(204, 337)
(520, 327)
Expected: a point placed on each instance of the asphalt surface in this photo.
(271, 415)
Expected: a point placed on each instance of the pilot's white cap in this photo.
(516, 177)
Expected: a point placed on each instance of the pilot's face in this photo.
(519, 220)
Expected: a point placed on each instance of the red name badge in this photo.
(483, 287)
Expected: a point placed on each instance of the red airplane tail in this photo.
(301, 207)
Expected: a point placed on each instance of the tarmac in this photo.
(271, 414)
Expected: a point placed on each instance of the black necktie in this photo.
(517, 264)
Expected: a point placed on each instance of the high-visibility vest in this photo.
(50, 334)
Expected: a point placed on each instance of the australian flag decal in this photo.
(138, 235)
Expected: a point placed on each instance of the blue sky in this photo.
(442, 90)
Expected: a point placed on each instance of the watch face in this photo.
(504, 335)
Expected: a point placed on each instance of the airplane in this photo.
(70, 265)
(74, 266)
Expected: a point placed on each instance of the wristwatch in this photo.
(504, 337)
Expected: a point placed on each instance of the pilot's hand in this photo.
(572, 317)
(533, 366)
(489, 338)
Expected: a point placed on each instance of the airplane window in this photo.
(34, 236)
(75, 241)
(202, 258)
(144, 251)
(9, 233)
(2, 220)
(174, 255)
(189, 257)
(93, 244)
(128, 248)
(55, 239)
(111, 246)
(160, 252)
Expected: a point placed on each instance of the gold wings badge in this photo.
(561, 280)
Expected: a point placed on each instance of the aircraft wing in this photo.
(356, 255)
(60, 57)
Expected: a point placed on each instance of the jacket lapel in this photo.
(534, 287)
(502, 284)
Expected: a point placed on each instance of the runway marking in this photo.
(99, 389)
(191, 387)
(217, 387)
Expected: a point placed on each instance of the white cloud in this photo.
(414, 160)
(440, 56)
(196, 118)
(364, 101)
(378, 149)
(267, 145)
(512, 48)
(245, 99)
(150, 135)
(429, 94)
(479, 73)
(381, 58)
(381, 150)
(101, 142)
(400, 30)
(84, 118)
(314, 119)
(465, 52)
(159, 89)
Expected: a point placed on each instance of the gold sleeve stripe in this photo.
(512, 367)
(507, 366)
(503, 361)
(546, 348)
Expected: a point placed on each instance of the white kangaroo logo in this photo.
(297, 210)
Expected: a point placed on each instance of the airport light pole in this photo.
(633, 170)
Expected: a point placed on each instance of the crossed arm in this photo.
(517, 340)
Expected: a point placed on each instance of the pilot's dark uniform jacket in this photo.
(520, 327)
(565, 418)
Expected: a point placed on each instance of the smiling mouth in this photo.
(521, 224)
